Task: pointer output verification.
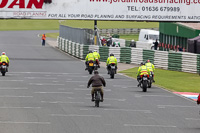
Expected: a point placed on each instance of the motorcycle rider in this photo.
(97, 57)
(89, 57)
(97, 82)
(141, 71)
(111, 60)
(151, 67)
(4, 58)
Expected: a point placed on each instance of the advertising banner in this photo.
(137, 10)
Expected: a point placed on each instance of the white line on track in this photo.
(111, 99)
(176, 106)
(193, 119)
(136, 95)
(80, 89)
(12, 80)
(24, 122)
(131, 125)
(54, 92)
(44, 84)
(129, 110)
(47, 73)
(38, 78)
(10, 96)
(61, 102)
(8, 88)
(20, 107)
(75, 115)
(76, 81)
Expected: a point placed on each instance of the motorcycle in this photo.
(144, 82)
(96, 64)
(90, 66)
(3, 68)
(150, 79)
(112, 70)
(97, 97)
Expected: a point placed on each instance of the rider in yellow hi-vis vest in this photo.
(151, 68)
(4, 58)
(96, 57)
(89, 57)
(141, 71)
(111, 60)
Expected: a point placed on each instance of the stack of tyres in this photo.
(79, 51)
(125, 55)
(85, 50)
(104, 53)
(148, 55)
(198, 63)
(175, 61)
(67, 46)
(75, 47)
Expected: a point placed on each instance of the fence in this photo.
(176, 61)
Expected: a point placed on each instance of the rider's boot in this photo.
(139, 84)
(92, 98)
(101, 97)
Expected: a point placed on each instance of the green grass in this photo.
(52, 35)
(109, 24)
(27, 24)
(172, 80)
(130, 37)
(31, 24)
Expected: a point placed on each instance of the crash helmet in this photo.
(90, 51)
(3, 53)
(142, 63)
(96, 72)
(111, 54)
(95, 50)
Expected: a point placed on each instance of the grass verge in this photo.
(129, 37)
(52, 35)
(28, 24)
(172, 80)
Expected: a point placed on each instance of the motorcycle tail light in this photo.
(4, 63)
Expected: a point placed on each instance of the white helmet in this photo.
(3, 53)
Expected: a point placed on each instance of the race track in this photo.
(45, 91)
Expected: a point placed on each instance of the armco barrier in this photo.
(176, 61)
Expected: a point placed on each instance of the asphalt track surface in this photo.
(45, 92)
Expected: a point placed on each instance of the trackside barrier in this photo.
(189, 62)
(161, 59)
(136, 55)
(176, 61)
(115, 51)
(148, 55)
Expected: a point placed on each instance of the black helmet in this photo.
(90, 51)
(142, 63)
(96, 72)
(111, 54)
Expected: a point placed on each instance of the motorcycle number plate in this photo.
(113, 67)
(3, 66)
(144, 78)
(91, 64)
